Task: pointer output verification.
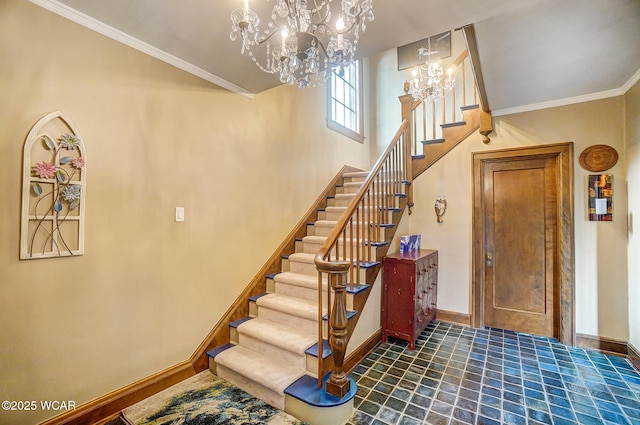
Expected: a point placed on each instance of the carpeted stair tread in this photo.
(314, 239)
(353, 186)
(322, 239)
(344, 195)
(279, 335)
(298, 307)
(269, 373)
(302, 257)
(355, 174)
(336, 209)
(333, 223)
(299, 279)
(326, 223)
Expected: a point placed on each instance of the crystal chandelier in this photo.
(428, 83)
(303, 38)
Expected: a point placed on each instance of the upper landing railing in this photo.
(426, 118)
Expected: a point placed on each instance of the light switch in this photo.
(179, 214)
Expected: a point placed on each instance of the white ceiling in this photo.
(532, 52)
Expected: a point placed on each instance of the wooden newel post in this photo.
(407, 102)
(338, 383)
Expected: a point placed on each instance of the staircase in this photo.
(289, 349)
(273, 352)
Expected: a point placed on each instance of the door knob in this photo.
(489, 259)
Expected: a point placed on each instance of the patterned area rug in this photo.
(205, 399)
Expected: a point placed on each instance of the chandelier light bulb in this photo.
(284, 33)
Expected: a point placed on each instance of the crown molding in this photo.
(558, 102)
(119, 36)
(632, 81)
(571, 100)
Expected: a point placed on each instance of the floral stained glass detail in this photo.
(54, 190)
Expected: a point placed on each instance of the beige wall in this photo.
(632, 139)
(148, 290)
(601, 268)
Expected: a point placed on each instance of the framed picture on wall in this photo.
(408, 56)
(600, 197)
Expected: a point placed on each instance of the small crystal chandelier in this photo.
(428, 83)
(301, 41)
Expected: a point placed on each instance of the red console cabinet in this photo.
(409, 294)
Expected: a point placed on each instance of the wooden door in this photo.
(520, 240)
(522, 209)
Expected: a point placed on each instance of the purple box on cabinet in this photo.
(409, 243)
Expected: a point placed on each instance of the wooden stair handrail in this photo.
(486, 120)
(396, 163)
(472, 47)
(333, 236)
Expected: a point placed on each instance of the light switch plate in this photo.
(179, 214)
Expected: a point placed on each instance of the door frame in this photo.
(562, 153)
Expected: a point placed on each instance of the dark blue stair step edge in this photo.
(383, 225)
(379, 243)
(357, 288)
(306, 389)
(433, 141)
(238, 322)
(313, 351)
(453, 124)
(350, 314)
(255, 298)
(213, 353)
(367, 264)
(466, 108)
